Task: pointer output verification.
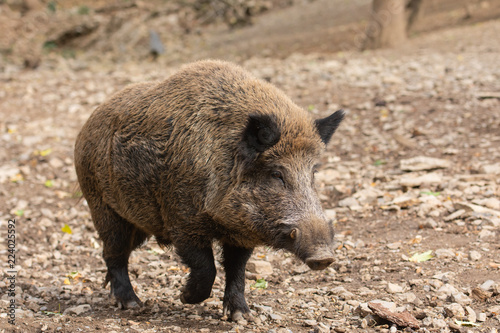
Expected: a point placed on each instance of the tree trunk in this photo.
(388, 25)
(415, 9)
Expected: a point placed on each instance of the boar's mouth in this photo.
(320, 262)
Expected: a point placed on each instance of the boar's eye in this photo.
(278, 175)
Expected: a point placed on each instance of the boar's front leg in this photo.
(235, 260)
(202, 275)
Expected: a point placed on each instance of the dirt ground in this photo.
(415, 167)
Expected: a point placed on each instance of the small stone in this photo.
(310, 322)
(494, 310)
(391, 306)
(481, 316)
(338, 290)
(485, 233)
(368, 196)
(7, 172)
(428, 224)
(410, 298)
(394, 288)
(347, 295)
(330, 214)
(263, 308)
(444, 253)
(275, 317)
(474, 255)
(404, 201)
(438, 323)
(492, 203)
(447, 289)
(56, 163)
(328, 176)
(364, 324)
(454, 326)
(259, 267)
(350, 202)
(469, 207)
(47, 213)
(471, 314)
(455, 215)
(491, 168)
(461, 298)
(454, 310)
(487, 285)
(394, 246)
(422, 163)
(78, 310)
(404, 319)
(431, 178)
(363, 310)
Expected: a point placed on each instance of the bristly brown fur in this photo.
(211, 153)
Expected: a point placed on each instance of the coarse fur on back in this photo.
(210, 154)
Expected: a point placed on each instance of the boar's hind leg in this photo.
(119, 238)
(202, 275)
(235, 260)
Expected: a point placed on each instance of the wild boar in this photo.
(210, 155)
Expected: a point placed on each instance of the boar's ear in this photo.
(260, 134)
(327, 126)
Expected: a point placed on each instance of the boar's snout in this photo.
(313, 243)
(319, 263)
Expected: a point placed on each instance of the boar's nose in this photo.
(319, 263)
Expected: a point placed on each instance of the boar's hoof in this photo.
(131, 303)
(238, 316)
(318, 264)
(190, 297)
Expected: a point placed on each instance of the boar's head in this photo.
(274, 200)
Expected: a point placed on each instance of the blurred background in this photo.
(176, 31)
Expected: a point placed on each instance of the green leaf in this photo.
(73, 274)
(379, 162)
(260, 283)
(466, 323)
(430, 193)
(421, 257)
(67, 229)
(49, 183)
(19, 212)
(52, 313)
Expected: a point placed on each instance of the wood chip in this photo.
(480, 294)
(402, 319)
